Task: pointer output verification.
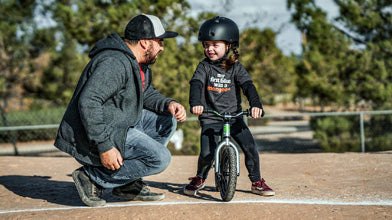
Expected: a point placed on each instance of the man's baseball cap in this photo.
(146, 27)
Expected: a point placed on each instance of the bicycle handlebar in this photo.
(228, 115)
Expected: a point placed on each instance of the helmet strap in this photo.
(218, 61)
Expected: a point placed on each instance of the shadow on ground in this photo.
(64, 193)
(41, 187)
(179, 189)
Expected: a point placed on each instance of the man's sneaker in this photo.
(137, 191)
(89, 192)
(194, 186)
(261, 188)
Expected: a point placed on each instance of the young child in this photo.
(216, 85)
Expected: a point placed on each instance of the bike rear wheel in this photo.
(226, 180)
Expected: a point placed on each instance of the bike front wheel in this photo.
(226, 180)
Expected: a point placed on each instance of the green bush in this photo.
(31, 117)
(379, 133)
(337, 133)
(342, 133)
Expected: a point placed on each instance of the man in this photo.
(117, 125)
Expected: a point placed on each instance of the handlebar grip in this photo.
(250, 112)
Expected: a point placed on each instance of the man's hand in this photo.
(178, 111)
(256, 112)
(111, 159)
(198, 110)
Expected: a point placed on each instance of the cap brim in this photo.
(168, 34)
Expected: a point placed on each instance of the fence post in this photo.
(362, 132)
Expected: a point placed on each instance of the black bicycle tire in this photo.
(228, 167)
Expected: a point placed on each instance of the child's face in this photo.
(215, 49)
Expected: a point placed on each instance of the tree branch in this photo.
(355, 39)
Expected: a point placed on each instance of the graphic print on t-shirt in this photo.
(219, 83)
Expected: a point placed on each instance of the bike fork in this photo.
(228, 143)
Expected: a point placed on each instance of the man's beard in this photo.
(149, 56)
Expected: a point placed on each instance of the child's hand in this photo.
(256, 112)
(198, 110)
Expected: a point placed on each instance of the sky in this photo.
(271, 14)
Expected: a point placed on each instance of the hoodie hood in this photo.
(112, 42)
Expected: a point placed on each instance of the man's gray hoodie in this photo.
(108, 99)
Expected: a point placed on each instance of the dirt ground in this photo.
(307, 186)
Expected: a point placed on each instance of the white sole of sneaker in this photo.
(191, 192)
(266, 193)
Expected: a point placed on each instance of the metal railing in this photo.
(359, 113)
(291, 115)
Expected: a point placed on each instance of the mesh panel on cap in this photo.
(158, 28)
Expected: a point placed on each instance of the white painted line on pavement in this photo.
(305, 202)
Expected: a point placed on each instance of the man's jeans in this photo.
(145, 152)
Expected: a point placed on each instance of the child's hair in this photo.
(231, 60)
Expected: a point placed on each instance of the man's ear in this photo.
(144, 43)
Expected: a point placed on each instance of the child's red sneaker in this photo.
(194, 186)
(261, 188)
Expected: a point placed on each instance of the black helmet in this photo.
(220, 28)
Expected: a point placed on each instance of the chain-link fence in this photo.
(327, 132)
(26, 133)
(25, 128)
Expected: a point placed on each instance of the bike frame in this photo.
(226, 142)
(226, 182)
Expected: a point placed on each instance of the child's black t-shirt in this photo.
(221, 89)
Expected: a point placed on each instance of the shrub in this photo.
(378, 131)
(31, 117)
(342, 133)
